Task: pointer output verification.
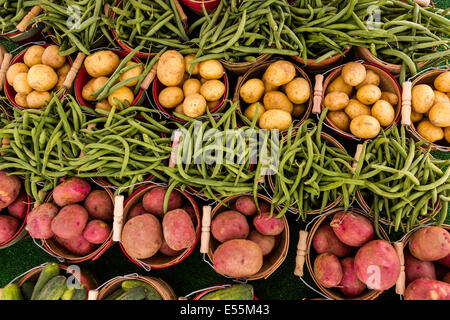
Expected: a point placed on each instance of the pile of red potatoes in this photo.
(245, 237)
(79, 218)
(13, 206)
(150, 230)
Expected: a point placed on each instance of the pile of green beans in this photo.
(12, 12)
(402, 182)
(242, 30)
(312, 173)
(151, 24)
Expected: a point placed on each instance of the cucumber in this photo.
(53, 289)
(152, 294)
(235, 292)
(68, 294)
(27, 289)
(11, 292)
(115, 294)
(80, 294)
(48, 272)
(136, 293)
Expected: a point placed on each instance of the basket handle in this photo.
(7, 57)
(183, 16)
(22, 26)
(149, 77)
(74, 70)
(173, 154)
(400, 285)
(5, 143)
(93, 294)
(118, 218)
(318, 90)
(423, 3)
(206, 228)
(301, 251)
(406, 103)
(359, 149)
(238, 85)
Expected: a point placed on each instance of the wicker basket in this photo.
(158, 260)
(239, 68)
(314, 68)
(305, 253)
(160, 285)
(23, 34)
(257, 71)
(271, 261)
(424, 78)
(204, 292)
(388, 83)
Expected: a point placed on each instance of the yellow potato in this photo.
(339, 85)
(422, 98)
(353, 73)
(440, 97)
(416, 117)
(439, 114)
(212, 104)
(171, 68)
(429, 131)
(92, 86)
(280, 72)
(170, 97)
(101, 63)
(389, 97)
(336, 100)
(21, 100)
(211, 69)
(179, 109)
(42, 77)
(203, 80)
(252, 90)
(355, 108)
(187, 60)
(60, 83)
(275, 119)
(33, 55)
(383, 112)
(267, 86)
(194, 105)
(371, 78)
(14, 70)
(298, 90)
(250, 112)
(64, 70)
(277, 100)
(340, 119)
(212, 90)
(299, 109)
(103, 105)
(447, 134)
(365, 127)
(123, 94)
(442, 82)
(134, 72)
(38, 99)
(51, 57)
(368, 94)
(191, 86)
(21, 85)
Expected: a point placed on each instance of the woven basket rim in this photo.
(405, 239)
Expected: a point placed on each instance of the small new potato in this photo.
(365, 127)
(267, 86)
(439, 114)
(339, 85)
(103, 105)
(179, 109)
(340, 119)
(171, 68)
(440, 97)
(447, 134)
(21, 85)
(275, 119)
(14, 70)
(252, 90)
(390, 97)
(371, 78)
(277, 100)
(212, 104)
(212, 90)
(194, 105)
(42, 77)
(60, 82)
(170, 97)
(21, 100)
(211, 69)
(101, 63)
(353, 73)
(51, 57)
(299, 109)
(298, 90)
(133, 72)
(280, 72)
(38, 99)
(383, 112)
(187, 61)
(250, 111)
(64, 70)
(122, 94)
(415, 116)
(92, 86)
(422, 98)
(355, 108)
(336, 100)
(33, 55)
(429, 131)
(442, 82)
(191, 86)
(368, 94)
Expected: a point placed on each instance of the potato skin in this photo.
(92, 86)
(277, 100)
(14, 70)
(429, 131)
(8, 227)
(267, 243)
(269, 226)
(339, 85)
(298, 90)
(38, 99)
(136, 210)
(275, 119)
(439, 114)
(390, 97)
(427, 289)
(353, 73)
(212, 90)
(142, 236)
(383, 112)
(252, 90)
(18, 209)
(101, 63)
(422, 98)
(352, 229)
(42, 77)
(33, 55)
(327, 270)
(187, 61)
(191, 86)
(440, 97)
(355, 108)
(325, 240)
(211, 70)
(442, 82)
(416, 117)
(72, 190)
(336, 101)
(238, 258)
(21, 100)
(78, 245)
(51, 57)
(99, 205)
(165, 249)
(39, 221)
(21, 84)
(228, 225)
(245, 205)
(123, 94)
(194, 105)
(170, 97)
(371, 78)
(299, 109)
(250, 111)
(365, 127)
(350, 285)
(134, 72)
(153, 201)
(430, 243)
(9, 189)
(368, 94)
(280, 72)
(340, 119)
(96, 231)
(416, 269)
(178, 229)
(70, 221)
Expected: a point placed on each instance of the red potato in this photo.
(78, 246)
(70, 191)
(8, 227)
(325, 240)
(444, 261)
(142, 236)
(136, 210)
(9, 189)
(229, 225)
(191, 212)
(70, 221)
(269, 226)
(166, 250)
(99, 205)
(96, 231)
(153, 201)
(430, 243)
(350, 285)
(352, 229)
(18, 208)
(245, 205)
(427, 289)
(267, 243)
(377, 264)
(417, 269)
(178, 229)
(328, 270)
(39, 221)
